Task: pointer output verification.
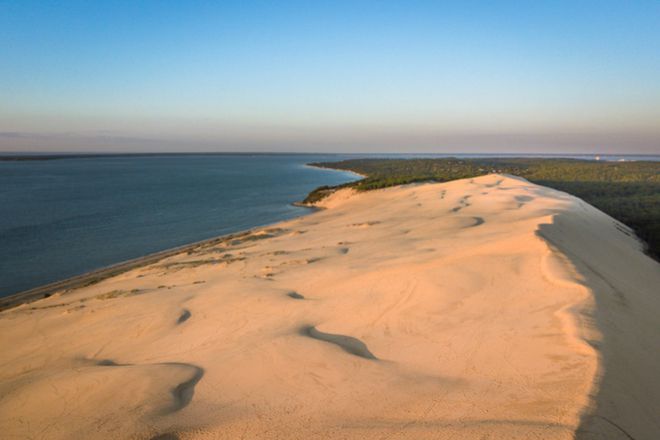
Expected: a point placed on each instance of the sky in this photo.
(330, 76)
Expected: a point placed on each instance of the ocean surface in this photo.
(65, 217)
(60, 218)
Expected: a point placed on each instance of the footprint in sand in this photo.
(365, 224)
(462, 203)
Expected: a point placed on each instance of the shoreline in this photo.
(438, 289)
(318, 166)
(97, 275)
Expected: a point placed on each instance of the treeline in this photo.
(627, 191)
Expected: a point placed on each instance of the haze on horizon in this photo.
(354, 76)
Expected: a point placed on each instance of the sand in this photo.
(486, 308)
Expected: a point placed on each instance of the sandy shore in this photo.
(95, 276)
(481, 308)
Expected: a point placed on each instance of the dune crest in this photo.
(481, 308)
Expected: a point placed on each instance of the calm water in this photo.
(60, 218)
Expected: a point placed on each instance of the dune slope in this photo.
(481, 308)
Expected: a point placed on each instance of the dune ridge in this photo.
(479, 308)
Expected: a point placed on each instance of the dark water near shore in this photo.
(60, 218)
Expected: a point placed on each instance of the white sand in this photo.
(488, 308)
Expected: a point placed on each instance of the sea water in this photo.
(64, 217)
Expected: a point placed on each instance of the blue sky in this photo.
(463, 76)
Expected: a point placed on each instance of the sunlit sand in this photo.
(481, 308)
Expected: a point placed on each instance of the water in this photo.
(60, 218)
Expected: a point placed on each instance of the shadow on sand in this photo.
(625, 399)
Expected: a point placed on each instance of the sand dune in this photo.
(481, 308)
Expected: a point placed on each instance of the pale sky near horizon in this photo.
(330, 76)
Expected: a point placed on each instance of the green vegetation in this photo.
(627, 191)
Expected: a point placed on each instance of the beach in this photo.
(478, 308)
(65, 217)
